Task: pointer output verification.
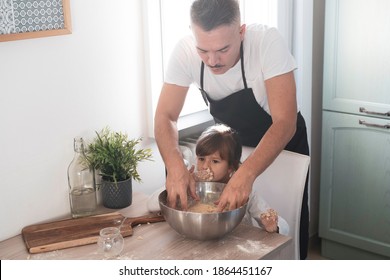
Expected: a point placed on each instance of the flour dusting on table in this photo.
(252, 247)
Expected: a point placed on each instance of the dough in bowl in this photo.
(199, 207)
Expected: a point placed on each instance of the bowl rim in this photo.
(197, 213)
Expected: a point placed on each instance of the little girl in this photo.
(218, 155)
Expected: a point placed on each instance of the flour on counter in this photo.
(251, 247)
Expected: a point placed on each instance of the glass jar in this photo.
(110, 242)
(81, 180)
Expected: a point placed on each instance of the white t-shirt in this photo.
(266, 55)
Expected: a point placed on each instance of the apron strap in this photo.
(201, 75)
(242, 65)
(202, 91)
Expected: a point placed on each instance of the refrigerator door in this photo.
(357, 57)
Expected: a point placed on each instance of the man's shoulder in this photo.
(187, 43)
(260, 35)
(259, 30)
(257, 27)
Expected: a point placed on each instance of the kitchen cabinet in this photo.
(355, 165)
(355, 188)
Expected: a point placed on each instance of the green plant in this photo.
(115, 156)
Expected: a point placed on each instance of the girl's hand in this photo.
(269, 220)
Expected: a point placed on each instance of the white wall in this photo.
(53, 89)
(308, 50)
(302, 50)
(316, 112)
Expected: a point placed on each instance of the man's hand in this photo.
(179, 183)
(236, 192)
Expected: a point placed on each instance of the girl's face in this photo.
(220, 168)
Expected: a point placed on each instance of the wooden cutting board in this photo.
(68, 233)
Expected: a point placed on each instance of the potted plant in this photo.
(115, 158)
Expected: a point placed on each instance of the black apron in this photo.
(241, 112)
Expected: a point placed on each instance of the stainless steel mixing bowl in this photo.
(202, 226)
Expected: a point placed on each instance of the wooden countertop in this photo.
(160, 241)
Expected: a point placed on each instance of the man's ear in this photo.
(242, 31)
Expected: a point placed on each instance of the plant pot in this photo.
(117, 196)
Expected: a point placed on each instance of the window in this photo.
(168, 20)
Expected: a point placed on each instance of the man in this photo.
(245, 74)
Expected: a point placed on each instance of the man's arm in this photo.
(169, 106)
(282, 102)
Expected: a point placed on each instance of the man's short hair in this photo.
(210, 14)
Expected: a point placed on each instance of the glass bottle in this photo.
(81, 180)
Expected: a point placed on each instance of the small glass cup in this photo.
(110, 242)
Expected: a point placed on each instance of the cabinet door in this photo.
(355, 182)
(357, 56)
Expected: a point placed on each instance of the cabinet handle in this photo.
(363, 110)
(385, 126)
